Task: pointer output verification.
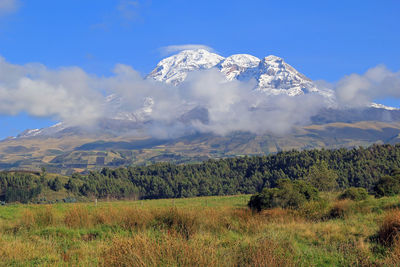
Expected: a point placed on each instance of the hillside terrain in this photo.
(68, 154)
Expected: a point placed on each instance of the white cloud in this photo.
(177, 48)
(360, 90)
(228, 106)
(67, 94)
(8, 6)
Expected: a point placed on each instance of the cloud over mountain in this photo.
(376, 83)
(206, 93)
(166, 50)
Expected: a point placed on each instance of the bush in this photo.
(388, 185)
(314, 210)
(354, 193)
(287, 194)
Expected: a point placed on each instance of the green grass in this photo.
(204, 231)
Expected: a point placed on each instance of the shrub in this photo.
(354, 193)
(388, 185)
(314, 210)
(390, 228)
(287, 194)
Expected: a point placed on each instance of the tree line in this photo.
(356, 167)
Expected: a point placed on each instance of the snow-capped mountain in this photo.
(174, 69)
(273, 75)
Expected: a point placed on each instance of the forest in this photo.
(356, 167)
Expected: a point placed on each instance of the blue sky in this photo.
(325, 40)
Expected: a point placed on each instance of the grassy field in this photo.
(206, 231)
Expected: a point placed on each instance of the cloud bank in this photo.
(205, 102)
(377, 83)
(67, 94)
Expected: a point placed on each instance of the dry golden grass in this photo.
(134, 218)
(279, 215)
(265, 253)
(24, 251)
(393, 258)
(176, 221)
(390, 229)
(140, 250)
(132, 234)
(77, 217)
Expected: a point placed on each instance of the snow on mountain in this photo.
(174, 69)
(273, 75)
(29, 133)
(44, 131)
(376, 105)
(234, 65)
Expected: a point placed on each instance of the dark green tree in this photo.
(55, 184)
(321, 177)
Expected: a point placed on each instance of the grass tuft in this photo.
(390, 228)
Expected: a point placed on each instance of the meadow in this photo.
(203, 231)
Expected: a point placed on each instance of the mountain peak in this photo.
(234, 65)
(273, 75)
(174, 69)
(272, 58)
